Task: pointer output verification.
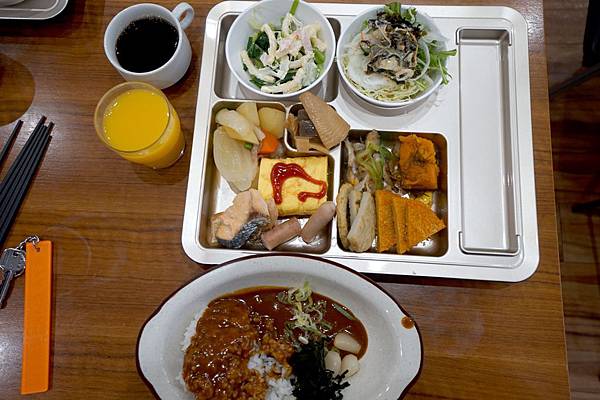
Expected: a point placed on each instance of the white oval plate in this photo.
(390, 365)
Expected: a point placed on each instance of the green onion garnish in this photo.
(342, 311)
(294, 7)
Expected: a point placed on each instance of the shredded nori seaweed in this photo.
(312, 381)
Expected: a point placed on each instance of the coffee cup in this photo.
(172, 70)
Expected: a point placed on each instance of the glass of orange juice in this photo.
(137, 121)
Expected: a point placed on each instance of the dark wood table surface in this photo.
(116, 229)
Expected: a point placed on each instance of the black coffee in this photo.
(146, 44)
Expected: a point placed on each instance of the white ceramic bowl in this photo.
(355, 27)
(394, 354)
(271, 11)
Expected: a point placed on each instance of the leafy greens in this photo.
(400, 49)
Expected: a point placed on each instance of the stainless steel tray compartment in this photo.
(487, 172)
(483, 140)
(437, 245)
(218, 195)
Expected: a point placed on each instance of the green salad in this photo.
(394, 57)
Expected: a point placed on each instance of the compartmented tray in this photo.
(34, 9)
(480, 124)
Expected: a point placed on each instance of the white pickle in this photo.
(350, 365)
(345, 342)
(333, 362)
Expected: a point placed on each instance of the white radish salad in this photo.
(285, 58)
(395, 57)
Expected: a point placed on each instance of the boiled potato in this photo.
(236, 126)
(260, 135)
(272, 121)
(249, 111)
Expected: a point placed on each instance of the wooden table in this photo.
(116, 230)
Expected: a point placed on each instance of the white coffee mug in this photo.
(174, 69)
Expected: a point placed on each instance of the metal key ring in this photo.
(30, 239)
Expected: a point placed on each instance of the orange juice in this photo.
(137, 121)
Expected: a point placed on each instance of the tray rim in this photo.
(416, 266)
(33, 14)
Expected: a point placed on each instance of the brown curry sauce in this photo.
(215, 363)
(263, 300)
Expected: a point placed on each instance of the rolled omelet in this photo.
(315, 167)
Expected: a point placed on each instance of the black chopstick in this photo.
(23, 176)
(20, 173)
(24, 158)
(7, 216)
(21, 155)
(10, 141)
(20, 161)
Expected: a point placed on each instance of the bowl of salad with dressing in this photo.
(393, 56)
(280, 48)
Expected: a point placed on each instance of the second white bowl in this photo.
(272, 11)
(353, 29)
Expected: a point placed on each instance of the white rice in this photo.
(279, 389)
(190, 331)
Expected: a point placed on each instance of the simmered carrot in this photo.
(269, 144)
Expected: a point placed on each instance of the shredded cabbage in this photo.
(401, 91)
(431, 61)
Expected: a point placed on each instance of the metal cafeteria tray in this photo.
(34, 9)
(481, 122)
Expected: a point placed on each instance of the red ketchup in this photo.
(281, 172)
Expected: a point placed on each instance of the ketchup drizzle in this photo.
(282, 171)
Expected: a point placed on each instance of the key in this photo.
(12, 263)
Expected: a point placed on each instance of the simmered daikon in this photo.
(234, 161)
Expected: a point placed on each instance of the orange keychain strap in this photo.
(35, 374)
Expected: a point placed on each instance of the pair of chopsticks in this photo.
(13, 187)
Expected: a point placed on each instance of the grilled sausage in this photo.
(318, 221)
(281, 233)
